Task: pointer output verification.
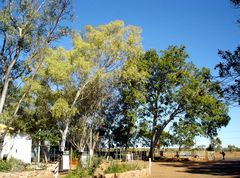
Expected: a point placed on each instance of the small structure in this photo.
(16, 146)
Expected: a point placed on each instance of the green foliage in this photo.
(26, 28)
(230, 74)
(87, 171)
(62, 109)
(12, 165)
(123, 167)
(16, 165)
(232, 148)
(79, 173)
(184, 133)
(5, 166)
(50, 135)
(229, 70)
(173, 88)
(130, 86)
(166, 139)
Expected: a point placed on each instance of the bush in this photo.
(79, 173)
(123, 167)
(16, 165)
(86, 171)
(5, 166)
(12, 165)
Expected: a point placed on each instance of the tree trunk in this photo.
(4, 93)
(153, 139)
(64, 137)
(152, 146)
(91, 144)
(156, 132)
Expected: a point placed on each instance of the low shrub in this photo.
(17, 165)
(85, 171)
(5, 166)
(123, 167)
(12, 165)
(79, 173)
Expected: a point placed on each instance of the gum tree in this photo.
(97, 53)
(176, 89)
(27, 28)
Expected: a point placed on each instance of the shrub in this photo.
(16, 165)
(123, 167)
(86, 171)
(79, 173)
(12, 165)
(5, 166)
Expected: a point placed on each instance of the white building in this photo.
(17, 146)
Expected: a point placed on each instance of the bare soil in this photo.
(229, 168)
(202, 169)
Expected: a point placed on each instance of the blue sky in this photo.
(203, 26)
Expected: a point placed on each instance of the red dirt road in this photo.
(213, 169)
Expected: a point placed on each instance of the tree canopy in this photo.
(176, 91)
(105, 88)
(229, 71)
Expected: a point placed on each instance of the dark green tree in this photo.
(176, 89)
(229, 70)
(130, 89)
(184, 133)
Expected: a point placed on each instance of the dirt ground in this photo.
(229, 168)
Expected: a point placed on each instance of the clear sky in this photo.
(203, 26)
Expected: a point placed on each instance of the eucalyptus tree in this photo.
(86, 124)
(27, 28)
(184, 133)
(130, 87)
(97, 54)
(177, 89)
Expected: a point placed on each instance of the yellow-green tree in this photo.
(98, 54)
(26, 27)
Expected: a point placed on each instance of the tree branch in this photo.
(2, 53)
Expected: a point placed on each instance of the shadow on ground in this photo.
(229, 168)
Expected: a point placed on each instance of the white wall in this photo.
(18, 147)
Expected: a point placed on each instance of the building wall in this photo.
(17, 146)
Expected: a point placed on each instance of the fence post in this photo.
(55, 170)
(150, 166)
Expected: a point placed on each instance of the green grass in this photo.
(123, 167)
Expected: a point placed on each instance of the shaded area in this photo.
(215, 168)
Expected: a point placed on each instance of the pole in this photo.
(149, 166)
(91, 151)
(55, 170)
(39, 147)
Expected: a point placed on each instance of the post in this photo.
(39, 147)
(149, 166)
(120, 153)
(71, 157)
(55, 170)
(91, 144)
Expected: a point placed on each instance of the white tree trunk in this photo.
(64, 137)
(4, 94)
